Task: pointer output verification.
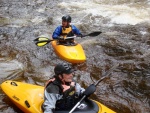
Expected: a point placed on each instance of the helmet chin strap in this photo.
(68, 24)
(63, 81)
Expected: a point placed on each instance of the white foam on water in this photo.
(119, 14)
(10, 67)
(143, 32)
(38, 19)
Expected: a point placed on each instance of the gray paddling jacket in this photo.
(56, 99)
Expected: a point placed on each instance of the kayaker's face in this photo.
(68, 77)
(65, 23)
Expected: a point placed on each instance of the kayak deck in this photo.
(69, 53)
(29, 98)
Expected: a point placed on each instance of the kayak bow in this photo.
(29, 99)
(69, 53)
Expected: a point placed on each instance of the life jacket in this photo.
(69, 98)
(67, 32)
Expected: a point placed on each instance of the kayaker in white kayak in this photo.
(65, 30)
(61, 92)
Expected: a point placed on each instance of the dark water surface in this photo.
(125, 41)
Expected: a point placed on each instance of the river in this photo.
(125, 40)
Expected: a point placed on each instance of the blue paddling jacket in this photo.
(58, 31)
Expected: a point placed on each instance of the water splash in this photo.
(118, 14)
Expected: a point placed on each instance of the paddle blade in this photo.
(42, 43)
(41, 38)
(96, 33)
(90, 90)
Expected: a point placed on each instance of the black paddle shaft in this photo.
(107, 74)
(91, 89)
(44, 40)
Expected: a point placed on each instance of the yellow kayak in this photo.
(70, 53)
(29, 98)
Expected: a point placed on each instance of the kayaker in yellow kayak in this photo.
(65, 30)
(61, 92)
